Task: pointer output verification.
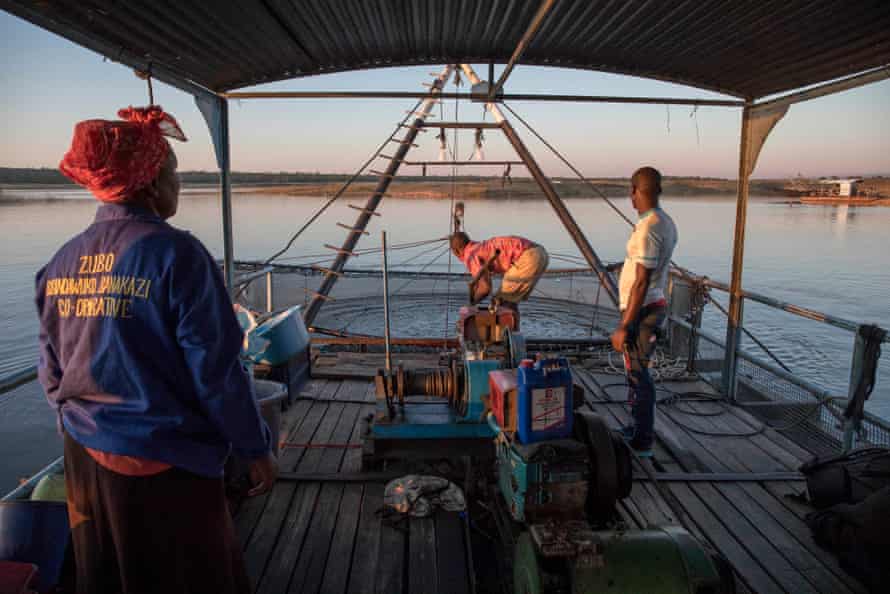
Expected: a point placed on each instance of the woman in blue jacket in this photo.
(139, 355)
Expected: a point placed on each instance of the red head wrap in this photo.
(114, 159)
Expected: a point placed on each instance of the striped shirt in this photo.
(477, 253)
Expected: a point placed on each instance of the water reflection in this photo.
(806, 255)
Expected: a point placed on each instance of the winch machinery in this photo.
(560, 470)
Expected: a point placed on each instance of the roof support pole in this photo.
(734, 320)
(757, 123)
(550, 192)
(216, 113)
(845, 84)
(524, 42)
(482, 97)
(373, 202)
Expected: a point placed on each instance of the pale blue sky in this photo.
(48, 84)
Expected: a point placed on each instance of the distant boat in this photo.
(840, 191)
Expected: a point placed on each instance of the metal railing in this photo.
(24, 490)
(19, 378)
(265, 273)
(771, 373)
(830, 400)
(797, 310)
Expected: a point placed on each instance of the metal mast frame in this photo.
(757, 121)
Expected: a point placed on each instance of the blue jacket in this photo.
(139, 346)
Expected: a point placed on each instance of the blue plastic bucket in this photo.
(286, 335)
(35, 532)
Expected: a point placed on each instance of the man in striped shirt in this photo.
(522, 262)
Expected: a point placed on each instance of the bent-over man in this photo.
(642, 301)
(139, 354)
(522, 262)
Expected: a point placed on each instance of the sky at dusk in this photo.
(48, 84)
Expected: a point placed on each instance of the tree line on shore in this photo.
(51, 176)
(312, 183)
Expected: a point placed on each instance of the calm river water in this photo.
(831, 259)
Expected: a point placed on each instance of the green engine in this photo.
(573, 559)
(561, 497)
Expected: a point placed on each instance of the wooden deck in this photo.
(754, 524)
(328, 537)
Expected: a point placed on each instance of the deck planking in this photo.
(768, 544)
(328, 537)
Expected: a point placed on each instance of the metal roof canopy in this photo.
(746, 49)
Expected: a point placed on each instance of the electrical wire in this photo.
(675, 402)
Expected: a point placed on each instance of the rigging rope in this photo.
(568, 164)
(416, 256)
(421, 271)
(334, 198)
(365, 251)
(684, 271)
(367, 308)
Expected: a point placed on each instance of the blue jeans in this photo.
(642, 335)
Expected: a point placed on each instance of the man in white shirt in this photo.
(642, 301)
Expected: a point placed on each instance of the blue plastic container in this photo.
(544, 400)
(286, 335)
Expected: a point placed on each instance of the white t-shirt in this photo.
(651, 244)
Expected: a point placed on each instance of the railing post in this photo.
(757, 122)
(697, 310)
(216, 114)
(863, 376)
(388, 360)
(852, 423)
(734, 321)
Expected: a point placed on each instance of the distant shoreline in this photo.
(481, 189)
(465, 189)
